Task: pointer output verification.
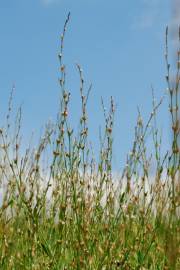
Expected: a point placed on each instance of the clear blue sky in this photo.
(119, 44)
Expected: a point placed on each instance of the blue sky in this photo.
(119, 44)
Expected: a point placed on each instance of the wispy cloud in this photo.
(174, 25)
(175, 18)
(149, 13)
(176, 11)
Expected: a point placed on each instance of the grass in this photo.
(74, 213)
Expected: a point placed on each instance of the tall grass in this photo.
(74, 213)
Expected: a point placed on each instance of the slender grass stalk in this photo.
(77, 214)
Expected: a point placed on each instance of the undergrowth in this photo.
(74, 213)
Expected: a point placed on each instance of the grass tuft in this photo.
(75, 214)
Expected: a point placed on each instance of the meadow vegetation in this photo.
(71, 212)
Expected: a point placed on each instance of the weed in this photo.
(74, 215)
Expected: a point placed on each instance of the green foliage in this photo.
(76, 214)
